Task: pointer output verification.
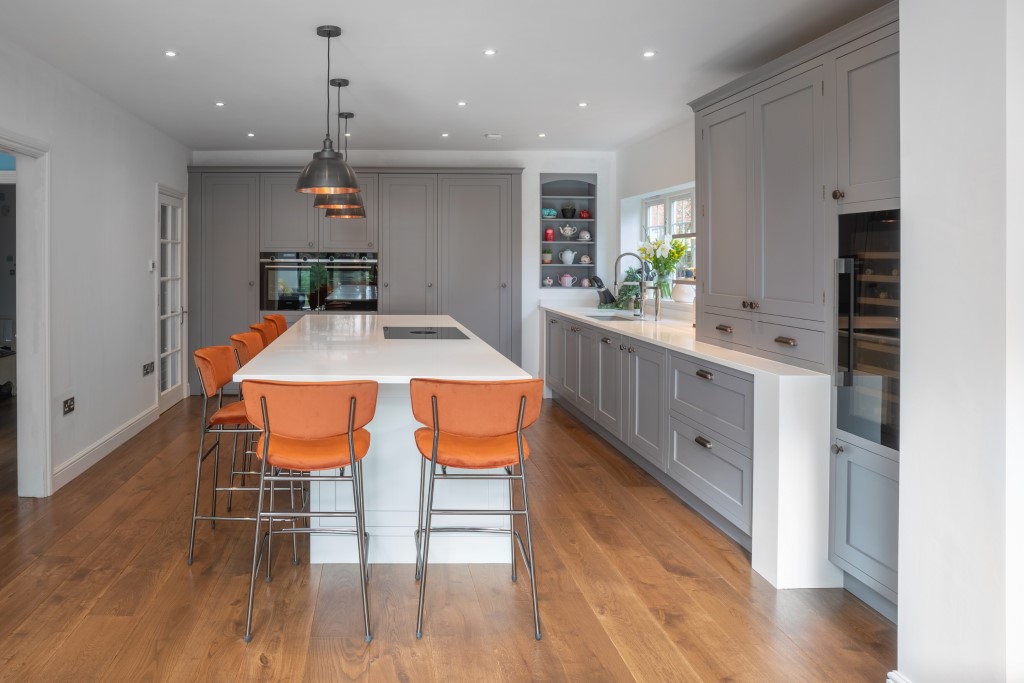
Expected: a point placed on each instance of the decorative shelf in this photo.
(567, 242)
(558, 219)
(876, 301)
(567, 196)
(879, 278)
(568, 265)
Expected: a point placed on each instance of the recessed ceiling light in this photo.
(444, 135)
(582, 104)
(492, 136)
(542, 135)
(348, 135)
(649, 53)
(462, 104)
(252, 135)
(171, 53)
(219, 104)
(490, 52)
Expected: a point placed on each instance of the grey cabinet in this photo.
(288, 220)
(713, 396)
(718, 473)
(865, 513)
(230, 235)
(645, 403)
(353, 234)
(571, 357)
(586, 388)
(609, 370)
(554, 367)
(475, 255)
(868, 122)
(408, 231)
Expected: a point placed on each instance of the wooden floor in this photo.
(633, 586)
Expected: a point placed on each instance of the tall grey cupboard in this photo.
(408, 229)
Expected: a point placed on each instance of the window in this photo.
(672, 216)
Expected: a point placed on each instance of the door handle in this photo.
(705, 374)
(606, 340)
(724, 328)
(701, 441)
(788, 341)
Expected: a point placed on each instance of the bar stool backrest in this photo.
(266, 330)
(247, 344)
(310, 410)
(216, 365)
(279, 321)
(476, 409)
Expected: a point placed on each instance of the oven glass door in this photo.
(285, 286)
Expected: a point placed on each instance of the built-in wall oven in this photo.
(295, 281)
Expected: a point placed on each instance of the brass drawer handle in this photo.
(788, 341)
(701, 441)
(724, 328)
(704, 374)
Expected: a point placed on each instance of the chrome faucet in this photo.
(642, 283)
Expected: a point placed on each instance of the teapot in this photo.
(548, 281)
(568, 231)
(584, 235)
(566, 256)
(585, 258)
(584, 214)
(585, 282)
(567, 280)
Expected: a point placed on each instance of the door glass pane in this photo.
(170, 333)
(170, 296)
(165, 222)
(868, 327)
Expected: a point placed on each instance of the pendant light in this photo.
(350, 200)
(328, 172)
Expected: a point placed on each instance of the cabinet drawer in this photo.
(795, 342)
(713, 396)
(725, 328)
(717, 474)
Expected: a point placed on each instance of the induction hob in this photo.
(424, 333)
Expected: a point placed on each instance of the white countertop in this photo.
(325, 348)
(677, 335)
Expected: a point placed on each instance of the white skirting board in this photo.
(102, 448)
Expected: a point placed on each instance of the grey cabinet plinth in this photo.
(865, 514)
(408, 269)
(354, 234)
(645, 403)
(288, 220)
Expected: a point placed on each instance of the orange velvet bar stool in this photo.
(474, 426)
(307, 428)
(216, 365)
(246, 346)
(279, 321)
(266, 330)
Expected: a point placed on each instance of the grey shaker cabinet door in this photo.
(868, 123)
(288, 221)
(586, 392)
(475, 252)
(712, 470)
(554, 374)
(645, 404)
(353, 234)
(865, 522)
(713, 396)
(230, 229)
(408, 244)
(789, 177)
(571, 354)
(729, 204)
(609, 371)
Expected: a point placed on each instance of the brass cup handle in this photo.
(701, 441)
(788, 341)
(705, 374)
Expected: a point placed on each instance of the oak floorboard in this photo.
(632, 585)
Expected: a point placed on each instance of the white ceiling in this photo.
(411, 61)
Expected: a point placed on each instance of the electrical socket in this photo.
(69, 405)
(148, 369)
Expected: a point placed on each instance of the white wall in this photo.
(662, 160)
(104, 168)
(960, 443)
(533, 164)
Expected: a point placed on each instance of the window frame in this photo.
(666, 201)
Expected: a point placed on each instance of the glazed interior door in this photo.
(170, 364)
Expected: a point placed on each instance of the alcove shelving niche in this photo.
(573, 227)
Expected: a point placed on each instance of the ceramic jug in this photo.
(566, 256)
(567, 280)
(548, 281)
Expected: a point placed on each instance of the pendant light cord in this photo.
(339, 125)
(329, 87)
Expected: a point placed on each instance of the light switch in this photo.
(152, 265)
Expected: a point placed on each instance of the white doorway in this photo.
(172, 321)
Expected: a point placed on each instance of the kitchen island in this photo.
(331, 348)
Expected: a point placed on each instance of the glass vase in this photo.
(665, 286)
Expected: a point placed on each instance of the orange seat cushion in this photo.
(469, 452)
(231, 414)
(308, 455)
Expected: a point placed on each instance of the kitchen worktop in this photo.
(679, 335)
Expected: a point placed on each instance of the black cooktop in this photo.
(423, 333)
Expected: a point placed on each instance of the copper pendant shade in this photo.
(349, 200)
(328, 172)
(346, 213)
